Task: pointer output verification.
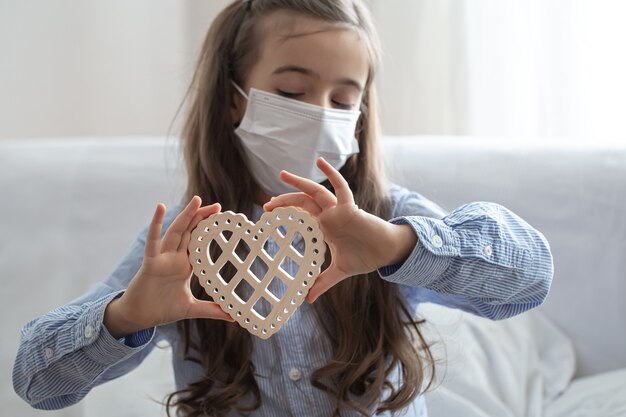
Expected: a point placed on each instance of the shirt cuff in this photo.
(139, 339)
(99, 345)
(431, 256)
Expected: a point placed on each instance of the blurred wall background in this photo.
(102, 68)
(518, 68)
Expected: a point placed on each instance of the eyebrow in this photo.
(310, 73)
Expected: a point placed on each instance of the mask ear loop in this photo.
(240, 90)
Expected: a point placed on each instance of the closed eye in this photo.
(343, 106)
(336, 103)
(288, 94)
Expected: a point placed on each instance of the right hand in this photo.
(160, 293)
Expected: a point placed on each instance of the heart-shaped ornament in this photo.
(224, 246)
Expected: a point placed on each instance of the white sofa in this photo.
(69, 208)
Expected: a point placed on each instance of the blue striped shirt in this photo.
(481, 258)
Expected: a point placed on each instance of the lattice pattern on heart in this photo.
(226, 247)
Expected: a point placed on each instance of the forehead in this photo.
(332, 50)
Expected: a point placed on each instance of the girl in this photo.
(279, 84)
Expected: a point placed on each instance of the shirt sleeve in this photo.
(65, 353)
(481, 257)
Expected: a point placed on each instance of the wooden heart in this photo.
(224, 246)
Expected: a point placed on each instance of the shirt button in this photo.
(48, 352)
(88, 331)
(294, 374)
(488, 250)
(437, 241)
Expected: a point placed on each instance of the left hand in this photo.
(359, 242)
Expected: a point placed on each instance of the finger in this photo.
(207, 211)
(339, 183)
(172, 237)
(300, 200)
(153, 238)
(325, 281)
(319, 193)
(184, 241)
(194, 222)
(207, 310)
(203, 213)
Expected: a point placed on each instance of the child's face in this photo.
(308, 60)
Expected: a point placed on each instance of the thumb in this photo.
(325, 281)
(207, 310)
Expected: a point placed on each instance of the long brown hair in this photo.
(370, 327)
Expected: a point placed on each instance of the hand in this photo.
(359, 242)
(159, 293)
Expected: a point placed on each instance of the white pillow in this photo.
(490, 368)
(602, 395)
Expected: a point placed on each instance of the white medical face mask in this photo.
(282, 133)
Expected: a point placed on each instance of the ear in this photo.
(238, 107)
